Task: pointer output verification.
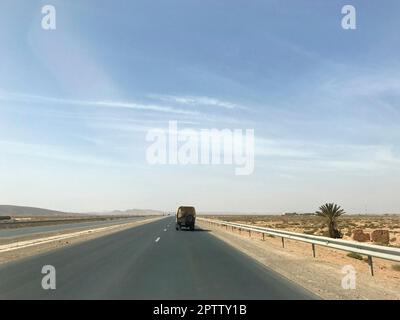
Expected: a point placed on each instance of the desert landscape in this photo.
(353, 227)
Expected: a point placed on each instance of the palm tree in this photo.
(331, 212)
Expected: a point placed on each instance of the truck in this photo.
(185, 217)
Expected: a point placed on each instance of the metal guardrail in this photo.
(370, 250)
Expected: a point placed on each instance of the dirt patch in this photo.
(322, 275)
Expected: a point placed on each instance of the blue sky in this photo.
(76, 103)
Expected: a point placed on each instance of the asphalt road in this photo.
(74, 226)
(150, 261)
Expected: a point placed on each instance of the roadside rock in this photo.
(359, 235)
(380, 236)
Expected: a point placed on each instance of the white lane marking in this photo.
(165, 229)
(158, 239)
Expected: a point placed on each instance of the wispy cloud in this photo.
(271, 148)
(298, 156)
(364, 85)
(198, 101)
(96, 103)
(155, 112)
(53, 152)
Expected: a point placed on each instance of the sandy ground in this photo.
(321, 275)
(42, 248)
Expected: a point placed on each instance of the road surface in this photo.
(150, 261)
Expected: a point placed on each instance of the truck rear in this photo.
(185, 217)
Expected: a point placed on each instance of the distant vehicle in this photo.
(185, 217)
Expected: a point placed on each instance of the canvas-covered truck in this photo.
(185, 218)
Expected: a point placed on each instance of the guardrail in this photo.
(370, 250)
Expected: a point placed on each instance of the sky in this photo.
(77, 102)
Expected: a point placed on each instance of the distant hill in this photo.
(6, 210)
(137, 212)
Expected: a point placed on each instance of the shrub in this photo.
(381, 243)
(396, 267)
(355, 255)
(325, 233)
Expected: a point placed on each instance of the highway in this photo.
(150, 261)
(73, 226)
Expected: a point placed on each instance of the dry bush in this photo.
(396, 267)
(355, 255)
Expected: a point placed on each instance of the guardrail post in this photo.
(370, 265)
(240, 230)
(313, 249)
(263, 236)
(283, 242)
(249, 233)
